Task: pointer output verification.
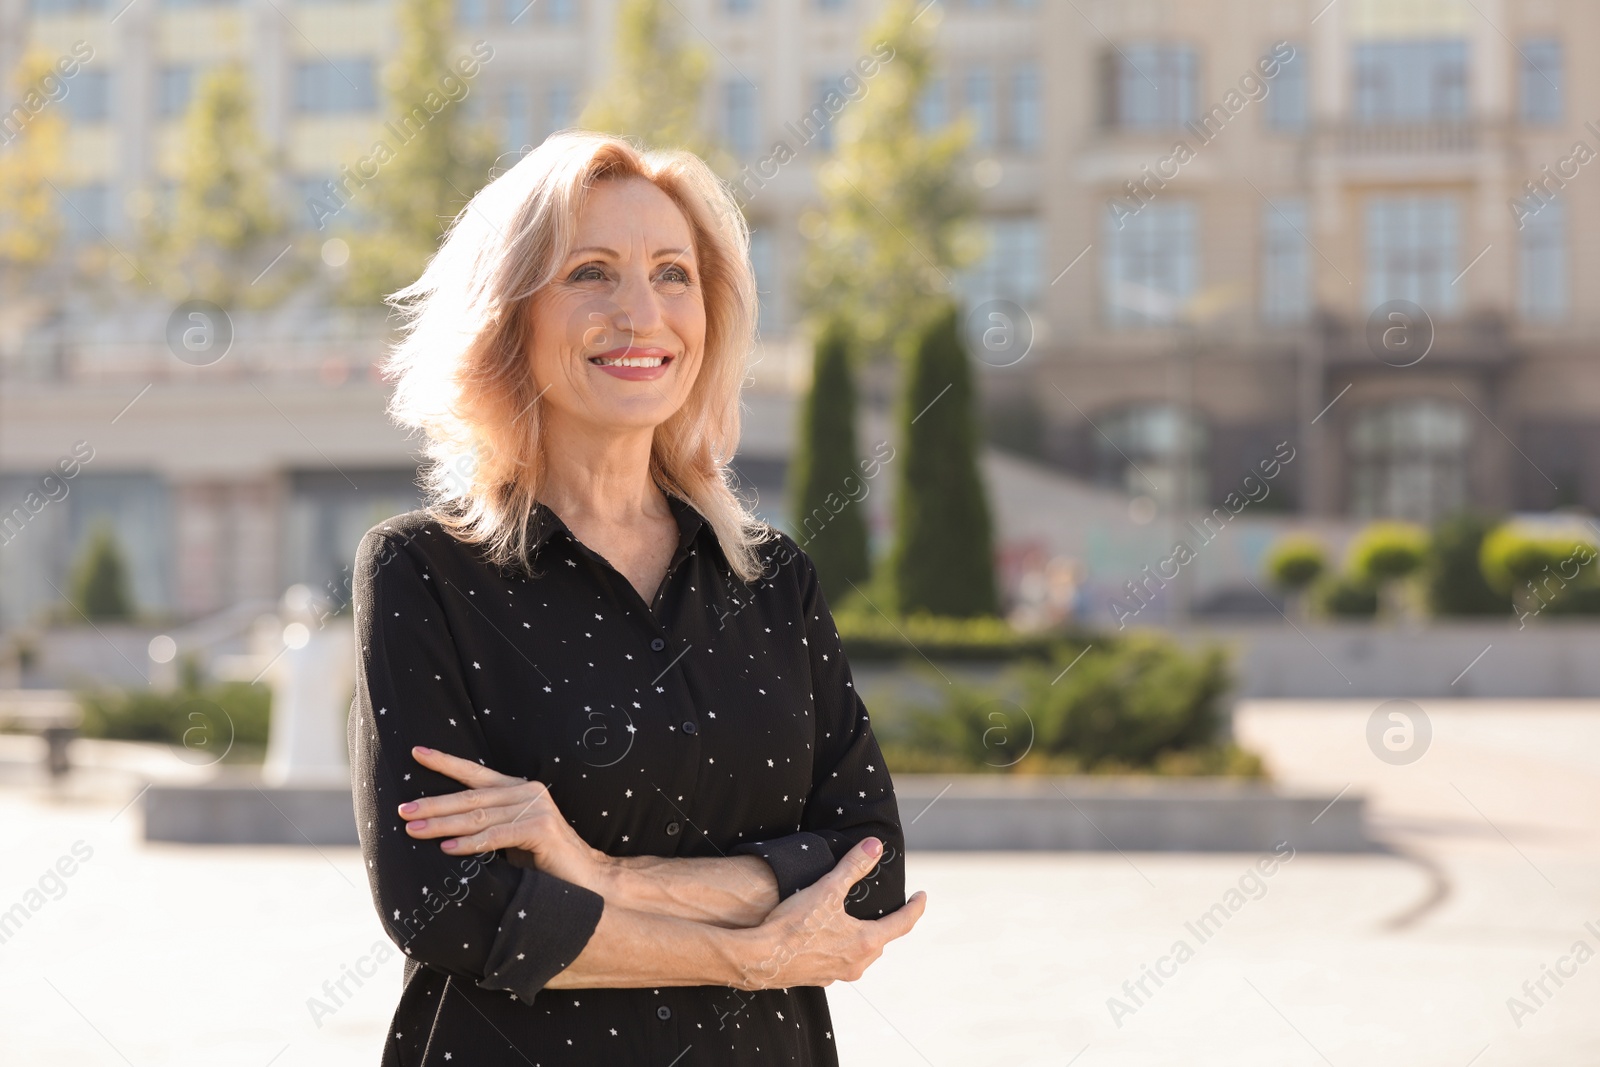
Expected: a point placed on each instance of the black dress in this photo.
(720, 719)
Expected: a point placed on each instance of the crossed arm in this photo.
(666, 921)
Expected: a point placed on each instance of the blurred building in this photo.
(1197, 209)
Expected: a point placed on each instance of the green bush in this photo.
(1130, 703)
(870, 637)
(1346, 596)
(100, 580)
(1510, 558)
(1138, 703)
(205, 719)
(1385, 551)
(1453, 574)
(1296, 562)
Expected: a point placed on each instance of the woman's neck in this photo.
(601, 478)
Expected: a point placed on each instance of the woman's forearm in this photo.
(632, 949)
(731, 891)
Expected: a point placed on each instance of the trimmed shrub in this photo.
(203, 719)
(1385, 551)
(943, 558)
(1346, 596)
(1296, 562)
(1453, 574)
(100, 582)
(829, 519)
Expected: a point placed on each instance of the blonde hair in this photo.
(461, 367)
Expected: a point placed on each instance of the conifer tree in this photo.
(826, 479)
(943, 560)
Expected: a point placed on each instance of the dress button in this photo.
(689, 727)
(656, 644)
(663, 1013)
(672, 831)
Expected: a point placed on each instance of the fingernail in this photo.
(452, 843)
(417, 824)
(422, 748)
(874, 846)
(408, 808)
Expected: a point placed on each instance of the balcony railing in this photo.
(1409, 138)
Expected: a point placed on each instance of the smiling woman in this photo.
(589, 670)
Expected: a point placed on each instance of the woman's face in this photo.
(619, 335)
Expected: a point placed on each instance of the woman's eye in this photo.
(589, 272)
(675, 275)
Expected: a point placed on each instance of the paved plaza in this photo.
(159, 955)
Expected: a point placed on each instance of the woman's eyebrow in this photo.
(660, 252)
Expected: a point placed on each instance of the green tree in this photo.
(1384, 555)
(1453, 576)
(896, 201)
(829, 522)
(655, 91)
(425, 180)
(100, 581)
(1536, 571)
(224, 227)
(30, 216)
(943, 560)
(1294, 564)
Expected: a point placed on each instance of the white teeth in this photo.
(630, 361)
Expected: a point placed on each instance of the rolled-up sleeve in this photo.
(503, 926)
(852, 796)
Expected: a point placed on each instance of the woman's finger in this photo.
(526, 795)
(467, 822)
(464, 771)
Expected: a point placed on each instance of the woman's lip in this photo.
(633, 374)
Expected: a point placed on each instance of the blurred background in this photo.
(1191, 408)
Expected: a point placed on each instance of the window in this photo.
(1289, 95)
(1148, 86)
(1013, 251)
(979, 92)
(1154, 450)
(762, 262)
(739, 122)
(472, 12)
(338, 86)
(1412, 251)
(89, 96)
(1025, 107)
(518, 125)
(933, 105)
(1542, 263)
(174, 86)
(739, 7)
(559, 111)
(85, 212)
(818, 122)
(1285, 262)
(1409, 460)
(1410, 81)
(560, 12)
(66, 7)
(831, 5)
(1539, 83)
(1149, 264)
(314, 205)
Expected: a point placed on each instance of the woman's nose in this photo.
(638, 310)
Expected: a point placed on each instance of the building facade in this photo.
(1216, 225)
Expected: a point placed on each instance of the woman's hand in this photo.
(498, 811)
(810, 939)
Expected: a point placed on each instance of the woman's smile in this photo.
(634, 364)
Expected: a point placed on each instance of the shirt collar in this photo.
(545, 522)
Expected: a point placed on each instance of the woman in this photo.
(676, 824)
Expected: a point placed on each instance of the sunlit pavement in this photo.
(155, 955)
